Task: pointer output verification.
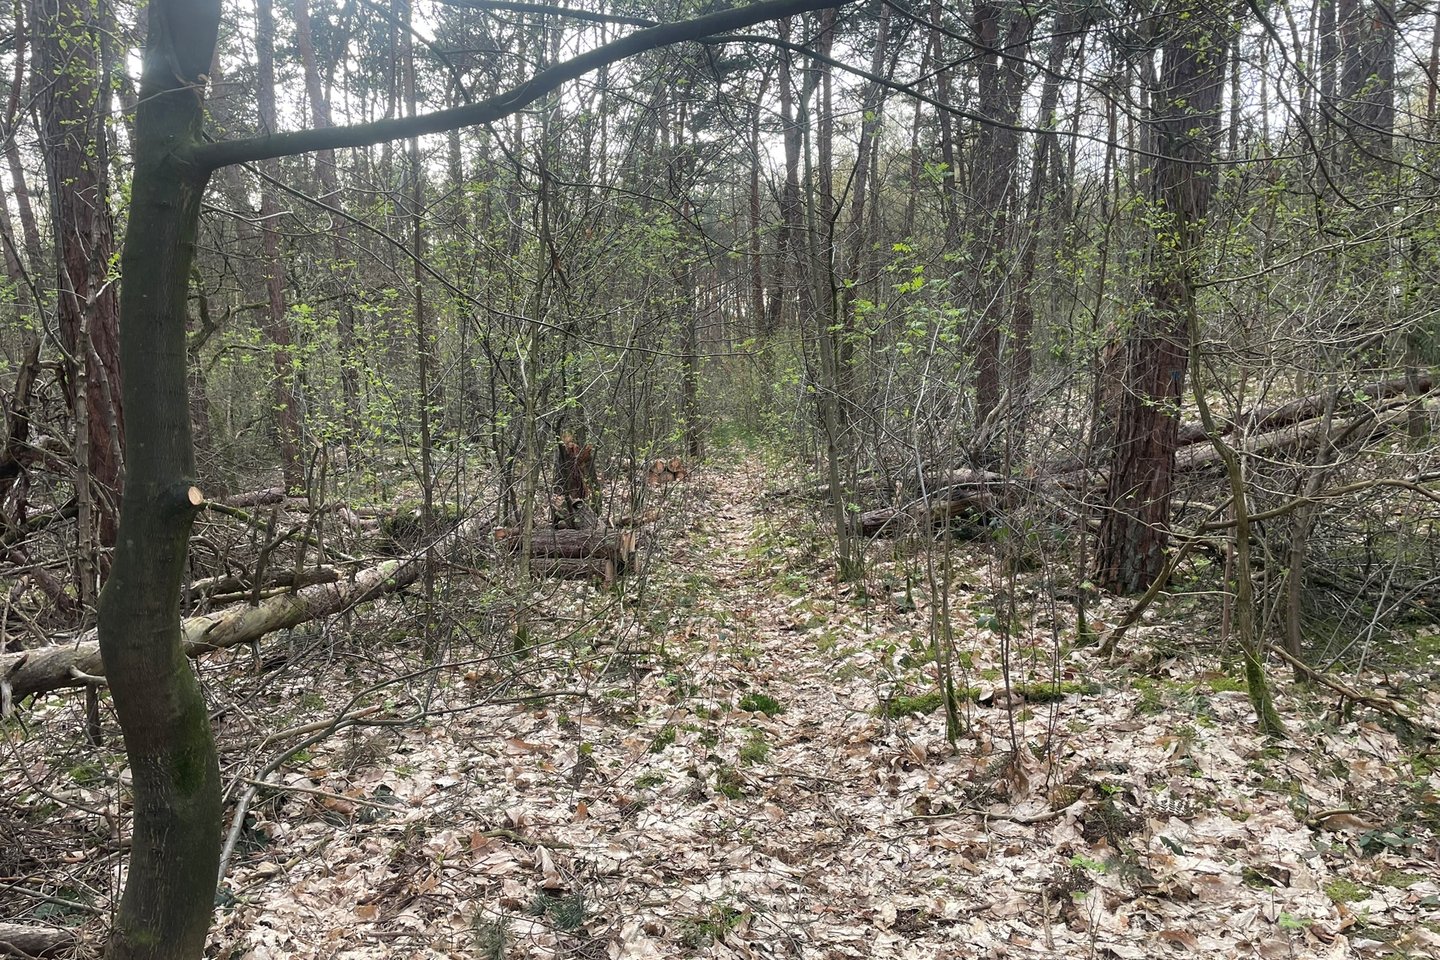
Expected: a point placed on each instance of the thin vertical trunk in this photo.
(1432, 76)
(329, 175)
(1233, 150)
(1042, 181)
(1267, 719)
(912, 196)
(949, 156)
(819, 304)
(276, 321)
(423, 346)
(758, 315)
(683, 175)
(29, 230)
(861, 240)
(1002, 30)
(1328, 63)
(788, 236)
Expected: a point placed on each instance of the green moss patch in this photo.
(1341, 890)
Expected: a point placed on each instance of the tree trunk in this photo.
(175, 852)
(329, 175)
(1135, 528)
(67, 51)
(1042, 177)
(788, 237)
(1367, 81)
(949, 155)
(29, 229)
(758, 325)
(1002, 30)
(277, 320)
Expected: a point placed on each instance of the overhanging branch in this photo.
(216, 155)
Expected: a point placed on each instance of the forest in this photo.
(719, 478)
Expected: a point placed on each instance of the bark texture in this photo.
(73, 103)
(169, 892)
(1135, 528)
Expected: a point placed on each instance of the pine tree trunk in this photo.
(1135, 528)
(67, 58)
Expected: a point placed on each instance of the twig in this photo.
(319, 725)
(990, 815)
(57, 901)
(1385, 705)
(317, 792)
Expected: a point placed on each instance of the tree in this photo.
(1003, 32)
(74, 101)
(1135, 529)
(165, 908)
(277, 321)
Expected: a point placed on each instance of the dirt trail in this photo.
(723, 784)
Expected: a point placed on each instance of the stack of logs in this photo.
(595, 554)
(578, 546)
(963, 493)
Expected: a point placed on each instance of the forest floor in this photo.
(725, 781)
(742, 762)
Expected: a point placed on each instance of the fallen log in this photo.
(78, 663)
(257, 498)
(575, 568)
(956, 494)
(25, 940)
(213, 588)
(1266, 419)
(595, 547)
(1297, 437)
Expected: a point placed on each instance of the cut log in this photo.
(602, 569)
(616, 546)
(24, 940)
(77, 663)
(664, 472)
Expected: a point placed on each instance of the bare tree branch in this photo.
(215, 155)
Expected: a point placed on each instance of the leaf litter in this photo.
(736, 789)
(724, 774)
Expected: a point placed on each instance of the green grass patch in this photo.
(903, 706)
(1053, 692)
(729, 783)
(566, 913)
(696, 933)
(1225, 684)
(761, 703)
(1400, 879)
(756, 749)
(1341, 890)
(663, 739)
